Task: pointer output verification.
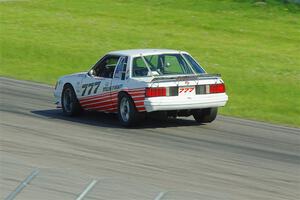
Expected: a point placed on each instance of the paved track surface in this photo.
(228, 159)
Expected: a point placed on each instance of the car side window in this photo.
(120, 71)
(106, 67)
(139, 67)
(197, 68)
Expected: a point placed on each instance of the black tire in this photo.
(205, 115)
(127, 113)
(69, 101)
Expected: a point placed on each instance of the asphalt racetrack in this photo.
(175, 159)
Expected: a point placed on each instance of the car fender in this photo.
(73, 79)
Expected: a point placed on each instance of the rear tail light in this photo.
(173, 91)
(217, 88)
(156, 92)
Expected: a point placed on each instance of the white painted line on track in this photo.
(86, 190)
(160, 195)
(22, 185)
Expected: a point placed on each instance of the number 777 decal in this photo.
(94, 85)
(186, 89)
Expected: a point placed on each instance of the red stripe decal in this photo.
(113, 110)
(134, 89)
(106, 108)
(98, 95)
(141, 109)
(139, 103)
(98, 100)
(135, 93)
(104, 104)
(138, 98)
(108, 101)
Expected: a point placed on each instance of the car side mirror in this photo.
(91, 72)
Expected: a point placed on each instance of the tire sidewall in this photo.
(132, 111)
(205, 115)
(75, 108)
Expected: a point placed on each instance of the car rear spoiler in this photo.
(186, 77)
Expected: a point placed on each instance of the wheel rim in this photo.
(124, 109)
(67, 100)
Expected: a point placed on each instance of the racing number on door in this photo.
(185, 90)
(89, 87)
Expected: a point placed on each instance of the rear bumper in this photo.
(183, 103)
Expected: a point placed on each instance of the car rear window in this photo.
(165, 64)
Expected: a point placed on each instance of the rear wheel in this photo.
(205, 115)
(70, 103)
(127, 113)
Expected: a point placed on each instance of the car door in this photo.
(121, 74)
(121, 81)
(96, 86)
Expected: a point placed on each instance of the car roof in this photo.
(138, 52)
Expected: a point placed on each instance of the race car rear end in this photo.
(184, 96)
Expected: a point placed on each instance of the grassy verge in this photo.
(254, 46)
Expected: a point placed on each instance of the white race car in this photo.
(133, 83)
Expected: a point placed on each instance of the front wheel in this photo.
(70, 104)
(127, 113)
(205, 115)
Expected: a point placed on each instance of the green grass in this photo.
(256, 48)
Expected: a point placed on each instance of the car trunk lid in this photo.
(190, 85)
